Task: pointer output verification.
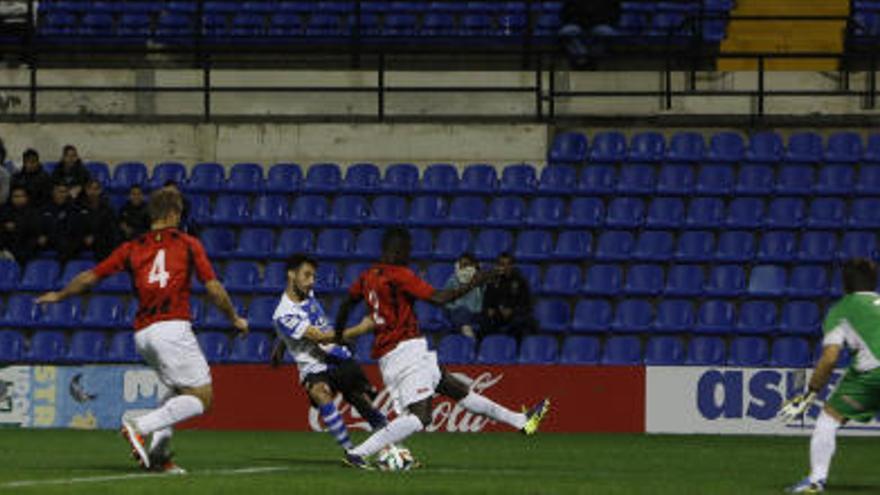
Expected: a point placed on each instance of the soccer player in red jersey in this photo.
(160, 263)
(408, 368)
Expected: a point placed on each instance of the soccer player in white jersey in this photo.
(852, 323)
(324, 368)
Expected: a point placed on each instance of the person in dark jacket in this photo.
(98, 221)
(19, 226)
(507, 302)
(71, 172)
(584, 24)
(34, 179)
(61, 225)
(134, 218)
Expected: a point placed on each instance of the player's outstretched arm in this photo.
(342, 315)
(81, 283)
(444, 296)
(366, 325)
(220, 298)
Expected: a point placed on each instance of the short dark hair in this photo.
(136, 186)
(394, 239)
(170, 182)
(506, 254)
(58, 183)
(164, 202)
(30, 153)
(93, 181)
(467, 255)
(859, 275)
(18, 188)
(294, 262)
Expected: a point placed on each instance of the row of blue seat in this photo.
(92, 347)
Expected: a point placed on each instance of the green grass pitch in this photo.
(41, 461)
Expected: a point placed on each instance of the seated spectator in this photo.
(97, 220)
(186, 223)
(583, 26)
(71, 172)
(61, 229)
(33, 178)
(19, 226)
(507, 302)
(134, 218)
(464, 313)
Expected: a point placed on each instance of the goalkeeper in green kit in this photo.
(852, 323)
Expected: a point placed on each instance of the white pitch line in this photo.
(134, 476)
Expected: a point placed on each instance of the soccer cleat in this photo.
(136, 441)
(534, 416)
(807, 486)
(356, 461)
(164, 463)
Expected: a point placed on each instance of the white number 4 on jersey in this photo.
(158, 273)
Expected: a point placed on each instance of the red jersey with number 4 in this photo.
(390, 291)
(161, 263)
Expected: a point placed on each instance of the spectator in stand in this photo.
(71, 172)
(19, 226)
(507, 302)
(98, 221)
(186, 223)
(584, 24)
(5, 175)
(61, 229)
(134, 218)
(464, 313)
(34, 179)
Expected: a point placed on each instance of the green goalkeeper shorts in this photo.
(857, 397)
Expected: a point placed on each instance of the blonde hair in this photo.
(164, 202)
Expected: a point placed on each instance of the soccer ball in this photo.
(395, 458)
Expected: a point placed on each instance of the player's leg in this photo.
(357, 390)
(321, 394)
(457, 390)
(415, 419)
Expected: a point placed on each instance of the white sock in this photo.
(393, 432)
(822, 446)
(476, 403)
(174, 411)
(160, 439)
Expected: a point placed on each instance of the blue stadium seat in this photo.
(48, 346)
(440, 178)
(835, 180)
(580, 349)
(726, 281)
(633, 315)
(686, 147)
(354, 270)
(596, 179)
(165, 172)
(804, 147)
(562, 279)
(64, 314)
(362, 178)
(843, 147)
(674, 316)
(245, 178)
(478, 178)
(492, 242)
(532, 274)
(705, 213)
(538, 349)
(557, 179)
(432, 319)
(858, 245)
(675, 179)
(270, 211)
(253, 348)
(132, 309)
(401, 178)
(573, 245)
(497, 349)
(647, 147)
(368, 245)
(726, 147)
(210, 317)
(274, 278)
(218, 242)
(260, 312)
(309, 210)
(553, 315)
(864, 214)
(871, 153)
(518, 179)
(334, 244)
(748, 352)
(716, 317)
(644, 280)
(206, 178)
(756, 317)
(422, 243)
(323, 178)
(654, 245)
(765, 147)
(795, 180)
(241, 276)
(438, 24)
(808, 281)
(128, 174)
(103, 312)
(695, 245)
(817, 246)
(230, 209)
(428, 211)
(665, 213)
(389, 210)
(608, 147)
(625, 213)
(292, 241)
(72, 269)
(706, 351)
(754, 180)
(456, 349)
(868, 182)
(615, 245)
(604, 280)
(684, 280)
(800, 318)
(438, 273)
(9, 275)
(636, 179)
(826, 213)
(785, 213)
(506, 212)
(283, 178)
(467, 211)
(451, 243)
(40, 276)
(100, 172)
(586, 212)
(625, 350)
(745, 213)
(776, 246)
(767, 281)
(349, 211)
(118, 283)
(87, 346)
(545, 212)
(791, 352)
(533, 245)
(174, 27)
(199, 208)
(715, 180)
(215, 346)
(121, 348)
(664, 351)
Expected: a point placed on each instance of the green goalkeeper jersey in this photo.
(854, 322)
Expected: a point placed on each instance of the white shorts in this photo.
(172, 350)
(410, 373)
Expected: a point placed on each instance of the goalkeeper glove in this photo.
(795, 407)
